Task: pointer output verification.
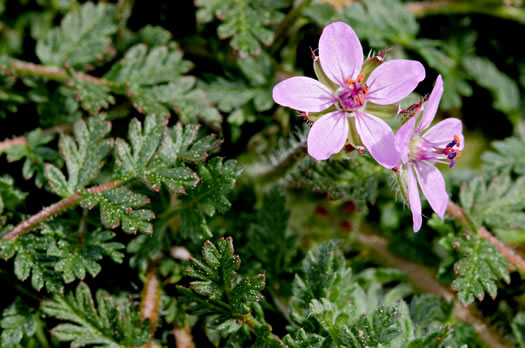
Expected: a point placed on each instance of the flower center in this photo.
(451, 152)
(353, 94)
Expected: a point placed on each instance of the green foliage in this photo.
(83, 158)
(186, 143)
(270, 229)
(479, 269)
(10, 196)
(152, 79)
(121, 205)
(31, 260)
(104, 324)
(498, 205)
(76, 257)
(303, 340)
(243, 21)
(504, 89)
(518, 328)
(366, 331)
(145, 174)
(428, 310)
(219, 290)
(507, 156)
(17, 322)
(81, 39)
(335, 178)
(144, 160)
(381, 22)
(35, 153)
(59, 254)
(218, 179)
(92, 96)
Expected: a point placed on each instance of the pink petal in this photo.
(378, 138)
(304, 94)
(340, 52)
(328, 135)
(444, 131)
(433, 186)
(413, 199)
(403, 138)
(392, 81)
(431, 105)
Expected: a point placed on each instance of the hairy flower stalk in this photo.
(346, 85)
(420, 150)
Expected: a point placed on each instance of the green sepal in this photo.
(385, 112)
(371, 64)
(314, 116)
(353, 136)
(321, 76)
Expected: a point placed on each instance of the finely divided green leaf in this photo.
(82, 38)
(106, 324)
(498, 205)
(219, 290)
(381, 22)
(17, 321)
(508, 156)
(479, 270)
(217, 180)
(83, 156)
(77, 259)
(486, 74)
(150, 161)
(243, 22)
(92, 96)
(121, 205)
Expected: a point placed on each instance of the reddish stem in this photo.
(55, 209)
(149, 307)
(457, 213)
(21, 140)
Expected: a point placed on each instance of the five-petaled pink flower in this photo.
(419, 152)
(341, 58)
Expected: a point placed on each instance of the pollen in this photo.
(348, 81)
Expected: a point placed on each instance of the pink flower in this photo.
(419, 152)
(341, 58)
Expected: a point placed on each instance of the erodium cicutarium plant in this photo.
(156, 190)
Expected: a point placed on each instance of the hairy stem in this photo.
(21, 68)
(257, 327)
(424, 279)
(457, 213)
(277, 170)
(55, 209)
(183, 337)
(22, 140)
(149, 306)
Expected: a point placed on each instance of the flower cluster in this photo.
(347, 91)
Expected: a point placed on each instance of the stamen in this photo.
(352, 96)
(451, 152)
